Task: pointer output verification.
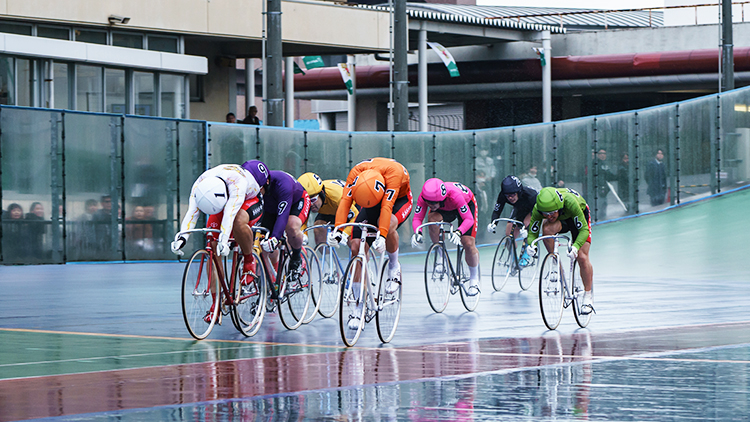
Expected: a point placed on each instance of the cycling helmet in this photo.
(211, 195)
(258, 170)
(312, 183)
(434, 190)
(549, 200)
(511, 185)
(369, 188)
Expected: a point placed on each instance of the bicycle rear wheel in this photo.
(577, 293)
(250, 299)
(503, 264)
(328, 297)
(389, 307)
(470, 302)
(197, 297)
(352, 302)
(437, 277)
(316, 280)
(551, 293)
(294, 294)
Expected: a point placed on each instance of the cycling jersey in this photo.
(522, 207)
(457, 197)
(396, 179)
(242, 187)
(573, 209)
(282, 192)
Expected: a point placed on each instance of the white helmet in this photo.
(211, 195)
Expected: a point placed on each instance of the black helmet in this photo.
(511, 185)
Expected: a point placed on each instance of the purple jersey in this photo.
(282, 192)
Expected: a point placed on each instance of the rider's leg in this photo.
(549, 229)
(587, 270)
(391, 243)
(471, 255)
(294, 237)
(432, 217)
(243, 234)
(320, 233)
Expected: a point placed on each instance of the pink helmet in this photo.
(434, 190)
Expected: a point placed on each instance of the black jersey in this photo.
(522, 207)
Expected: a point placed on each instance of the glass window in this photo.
(15, 28)
(60, 76)
(172, 96)
(89, 88)
(114, 80)
(23, 90)
(53, 32)
(196, 88)
(7, 81)
(143, 86)
(127, 40)
(166, 44)
(94, 37)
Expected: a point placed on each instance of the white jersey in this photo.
(242, 186)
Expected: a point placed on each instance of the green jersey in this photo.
(573, 206)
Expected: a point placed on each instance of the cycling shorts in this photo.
(253, 207)
(401, 209)
(569, 225)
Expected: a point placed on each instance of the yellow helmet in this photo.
(312, 183)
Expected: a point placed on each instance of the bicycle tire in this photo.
(551, 293)
(470, 302)
(331, 279)
(197, 299)
(294, 295)
(526, 275)
(503, 263)
(437, 277)
(389, 307)
(250, 300)
(313, 270)
(352, 302)
(577, 289)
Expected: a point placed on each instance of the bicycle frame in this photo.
(568, 298)
(516, 224)
(221, 270)
(371, 305)
(455, 275)
(271, 270)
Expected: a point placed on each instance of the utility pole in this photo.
(275, 100)
(727, 48)
(400, 68)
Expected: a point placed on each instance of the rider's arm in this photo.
(192, 214)
(535, 226)
(346, 199)
(419, 213)
(579, 218)
(237, 189)
(499, 205)
(285, 195)
(466, 216)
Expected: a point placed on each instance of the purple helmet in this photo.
(258, 170)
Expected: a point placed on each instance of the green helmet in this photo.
(549, 200)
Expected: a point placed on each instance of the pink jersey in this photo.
(458, 198)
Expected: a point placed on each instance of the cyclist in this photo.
(522, 199)
(286, 205)
(445, 201)
(565, 210)
(381, 187)
(228, 194)
(325, 196)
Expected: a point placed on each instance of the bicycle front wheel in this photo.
(437, 277)
(352, 307)
(250, 299)
(389, 307)
(551, 293)
(577, 293)
(313, 273)
(328, 297)
(503, 264)
(200, 296)
(527, 274)
(294, 294)
(470, 302)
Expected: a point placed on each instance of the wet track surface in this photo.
(670, 341)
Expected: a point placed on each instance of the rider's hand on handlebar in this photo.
(491, 227)
(305, 239)
(223, 248)
(416, 239)
(336, 237)
(531, 251)
(178, 244)
(379, 244)
(455, 237)
(573, 253)
(270, 244)
(522, 233)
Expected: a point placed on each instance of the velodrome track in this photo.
(670, 341)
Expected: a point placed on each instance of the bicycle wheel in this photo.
(316, 280)
(503, 264)
(294, 294)
(389, 307)
(197, 298)
(250, 300)
(352, 302)
(328, 297)
(577, 293)
(527, 274)
(462, 272)
(551, 294)
(437, 277)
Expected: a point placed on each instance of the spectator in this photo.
(252, 116)
(603, 175)
(86, 235)
(231, 118)
(35, 230)
(529, 179)
(13, 236)
(656, 177)
(103, 220)
(139, 234)
(623, 178)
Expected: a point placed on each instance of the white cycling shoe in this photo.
(354, 320)
(473, 287)
(394, 280)
(587, 304)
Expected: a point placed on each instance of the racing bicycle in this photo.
(507, 262)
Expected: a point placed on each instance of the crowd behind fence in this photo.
(101, 187)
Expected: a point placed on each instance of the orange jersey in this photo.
(396, 185)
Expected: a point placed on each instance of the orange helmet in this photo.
(369, 188)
